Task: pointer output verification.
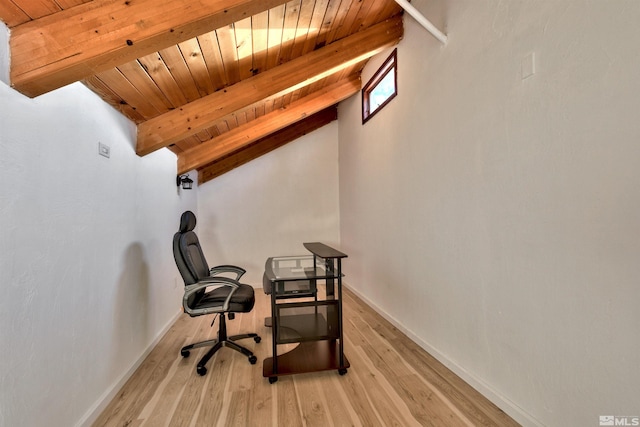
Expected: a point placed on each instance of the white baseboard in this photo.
(509, 407)
(96, 409)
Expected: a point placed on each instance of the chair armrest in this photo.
(205, 283)
(220, 269)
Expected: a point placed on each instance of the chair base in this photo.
(222, 341)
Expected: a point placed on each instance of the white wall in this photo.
(89, 282)
(4, 54)
(272, 205)
(497, 220)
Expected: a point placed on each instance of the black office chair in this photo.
(206, 292)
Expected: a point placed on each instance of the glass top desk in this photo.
(316, 325)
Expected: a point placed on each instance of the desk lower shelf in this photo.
(309, 356)
(307, 326)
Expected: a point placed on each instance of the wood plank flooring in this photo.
(391, 382)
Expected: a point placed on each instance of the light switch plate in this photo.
(104, 150)
(528, 65)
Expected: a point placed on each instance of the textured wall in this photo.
(272, 205)
(496, 219)
(4, 53)
(88, 277)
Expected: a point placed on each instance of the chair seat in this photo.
(242, 300)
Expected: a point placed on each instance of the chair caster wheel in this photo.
(184, 353)
(342, 371)
(201, 370)
(273, 380)
(257, 339)
(253, 360)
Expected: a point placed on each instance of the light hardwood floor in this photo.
(391, 382)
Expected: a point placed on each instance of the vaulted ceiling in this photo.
(218, 82)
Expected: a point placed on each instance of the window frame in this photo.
(391, 63)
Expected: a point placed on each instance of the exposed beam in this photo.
(242, 135)
(267, 144)
(182, 122)
(67, 46)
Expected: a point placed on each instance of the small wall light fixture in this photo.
(187, 183)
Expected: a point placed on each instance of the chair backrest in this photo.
(187, 251)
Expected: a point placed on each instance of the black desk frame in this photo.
(319, 331)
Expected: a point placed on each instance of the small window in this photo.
(381, 89)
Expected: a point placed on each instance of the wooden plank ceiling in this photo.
(218, 82)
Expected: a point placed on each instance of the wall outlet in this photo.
(104, 150)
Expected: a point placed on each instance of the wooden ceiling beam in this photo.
(267, 144)
(65, 47)
(191, 118)
(231, 141)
